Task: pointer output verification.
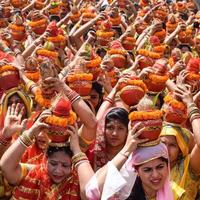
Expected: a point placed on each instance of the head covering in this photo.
(145, 154)
(182, 136)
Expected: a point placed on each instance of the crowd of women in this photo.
(99, 99)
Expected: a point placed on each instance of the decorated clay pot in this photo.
(128, 43)
(7, 73)
(151, 120)
(81, 87)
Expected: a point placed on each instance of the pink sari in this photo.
(118, 184)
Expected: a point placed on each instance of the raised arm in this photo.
(10, 161)
(184, 93)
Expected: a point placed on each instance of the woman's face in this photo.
(172, 147)
(153, 174)
(94, 98)
(15, 99)
(59, 166)
(42, 140)
(115, 133)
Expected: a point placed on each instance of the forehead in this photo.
(115, 122)
(152, 163)
(60, 156)
(168, 139)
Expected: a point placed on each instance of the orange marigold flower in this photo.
(58, 38)
(7, 68)
(94, 63)
(79, 77)
(61, 121)
(41, 100)
(15, 27)
(105, 34)
(37, 23)
(47, 53)
(145, 115)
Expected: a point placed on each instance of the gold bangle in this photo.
(29, 85)
(123, 155)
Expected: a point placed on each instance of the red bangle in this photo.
(4, 141)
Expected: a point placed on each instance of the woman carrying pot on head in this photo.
(184, 163)
(52, 179)
(140, 173)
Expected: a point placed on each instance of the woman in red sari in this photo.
(53, 179)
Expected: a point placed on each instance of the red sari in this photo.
(37, 185)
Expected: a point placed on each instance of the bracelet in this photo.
(193, 110)
(192, 105)
(29, 85)
(76, 99)
(4, 141)
(21, 142)
(25, 140)
(109, 100)
(79, 157)
(124, 155)
(194, 116)
(80, 162)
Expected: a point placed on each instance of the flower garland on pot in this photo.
(105, 34)
(31, 69)
(155, 82)
(44, 94)
(17, 29)
(193, 68)
(93, 61)
(152, 121)
(38, 24)
(132, 90)
(118, 54)
(8, 72)
(61, 117)
(80, 82)
(175, 111)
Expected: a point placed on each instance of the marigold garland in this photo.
(175, 103)
(115, 21)
(129, 40)
(145, 115)
(105, 34)
(157, 79)
(37, 23)
(79, 77)
(94, 63)
(61, 121)
(55, 10)
(58, 38)
(138, 83)
(15, 27)
(5, 68)
(116, 51)
(159, 49)
(160, 34)
(41, 100)
(150, 54)
(75, 17)
(34, 76)
(88, 15)
(160, 13)
(193, 77)
(47, 53)
(39, 5)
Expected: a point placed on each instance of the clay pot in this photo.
(119, 60)
(81, 87)
(58, 134)
(131, 95)
(152, 129)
